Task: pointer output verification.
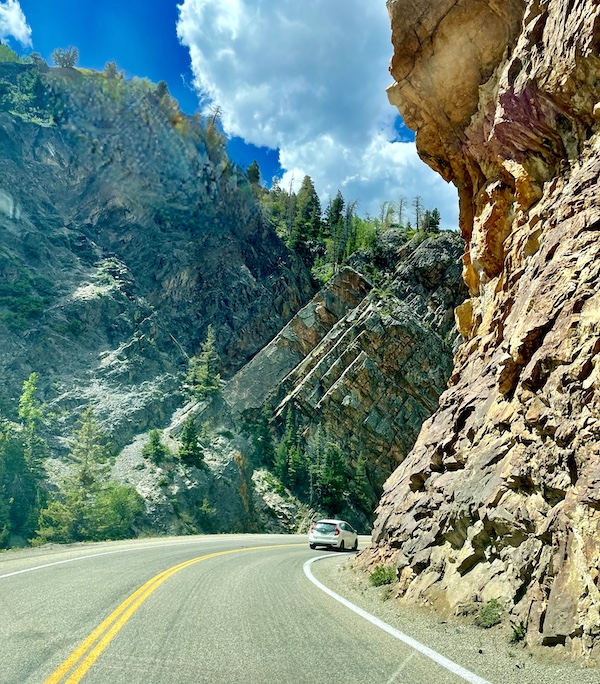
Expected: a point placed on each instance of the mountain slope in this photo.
(124, 231)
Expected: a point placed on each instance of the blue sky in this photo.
(301, 85)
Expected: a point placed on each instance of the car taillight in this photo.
(312, 529)
(337, 531)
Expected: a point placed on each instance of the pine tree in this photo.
(65, 58)
(21, 496)
(284, 449)
(89, 506)
(31, 413)
(360, 487)
(434, 221)
(27, 456)
(298, 471)
(203, 380)
(333, 477)
(315, 450)
(190, 451)
(110, 70)
(334, 214)
(307, 219)
(154, 450)
(89, 452)
(262, 439)
(254, 173)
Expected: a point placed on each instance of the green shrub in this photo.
(519, 631)
(490, 614)
(322, 272)
(381, 575)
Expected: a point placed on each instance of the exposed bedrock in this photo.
(500, 497)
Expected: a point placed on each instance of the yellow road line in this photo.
(86, 654)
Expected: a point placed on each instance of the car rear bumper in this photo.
(324, 541)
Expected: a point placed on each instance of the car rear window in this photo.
(325, 528)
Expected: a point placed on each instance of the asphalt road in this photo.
(220, 609)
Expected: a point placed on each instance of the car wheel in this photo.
(355, 547)
(342, 546)
(313, 546)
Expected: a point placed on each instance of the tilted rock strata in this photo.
(365, 366)
(377, 375)
(251, 387)
(500, 497)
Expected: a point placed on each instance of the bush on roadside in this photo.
(490, 614)
(381, 575)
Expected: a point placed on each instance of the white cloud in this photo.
(309, 78)
(13, 23)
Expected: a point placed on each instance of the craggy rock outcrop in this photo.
(365, 366)
(252, 386)
(500, 497)
(378, 374)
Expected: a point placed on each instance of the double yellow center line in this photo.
(74, 668)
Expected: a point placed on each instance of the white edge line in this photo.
(453, 667)
(67, 560)
(92, 555)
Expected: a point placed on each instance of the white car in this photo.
(335, 534)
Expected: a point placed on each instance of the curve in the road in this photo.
(446, 663)
(86, 654)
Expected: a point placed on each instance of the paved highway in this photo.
(220, 609)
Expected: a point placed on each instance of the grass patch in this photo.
(490, 614)
(519, 632)
(382, 575)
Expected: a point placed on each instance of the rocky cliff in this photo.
(500, 497)
(124, 231)
(363, 365)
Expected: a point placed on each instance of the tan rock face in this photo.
(500, 497)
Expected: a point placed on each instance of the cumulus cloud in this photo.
(309, 78)
(13, 23)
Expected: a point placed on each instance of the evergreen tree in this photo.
(89, 452)
(274, 204)
(298, 471)
(154, 450)
(284, 449)
(333, 478)
(110, 70)
(307, 219)
(334, 214)
(88, 506)
(434, 221)
(315, 450)
(360, 487)
(329, 477)
(31, 413)
(254, 173)
(262, 439)
(190, 451)
(21, 496)
(203, 380)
